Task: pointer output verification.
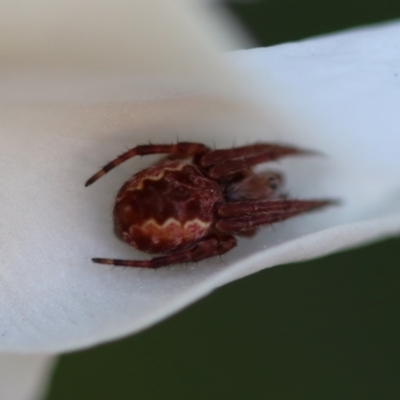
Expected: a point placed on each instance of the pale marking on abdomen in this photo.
(157, 177)
(173, 221)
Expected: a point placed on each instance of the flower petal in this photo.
(54, 299)
(24, 377)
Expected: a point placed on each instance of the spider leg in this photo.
(244, 216)
(222, 163)
(209, 247)
(182, 148)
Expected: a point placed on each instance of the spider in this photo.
(190, 205)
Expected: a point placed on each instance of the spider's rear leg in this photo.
(182, 148)
(208, 247)
(244, 216)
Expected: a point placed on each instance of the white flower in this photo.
(79, 86)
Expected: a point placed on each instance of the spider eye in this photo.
(273, 182)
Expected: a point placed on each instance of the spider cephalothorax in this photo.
(189, 206)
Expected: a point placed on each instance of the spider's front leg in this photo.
(244, 216)
(206, 248)
(221, 164)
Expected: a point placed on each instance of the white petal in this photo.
(76, 83)
(53, 298)
(148, 39)
(24, 377)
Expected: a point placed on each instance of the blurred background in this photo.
(325, 329)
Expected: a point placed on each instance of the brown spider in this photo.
(189, 206)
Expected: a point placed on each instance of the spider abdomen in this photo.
(166, 207)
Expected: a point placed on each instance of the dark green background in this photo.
(325, 329)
